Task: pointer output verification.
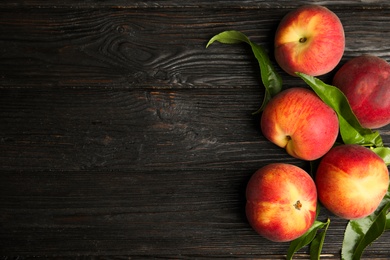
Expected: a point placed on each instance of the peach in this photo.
(365, 81)
(309, 39)
(351, 181)
(281, 202)
(299, 121)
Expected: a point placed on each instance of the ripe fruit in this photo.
(351, 181)
(365, 81)
(281, 202)
(299, 121)
(310, 40)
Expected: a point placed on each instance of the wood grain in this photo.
(218, 4)
(119, 48)
(83, 129)
(122, 136)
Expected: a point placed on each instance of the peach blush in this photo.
(351, 181)
(299, 121)
(310, 40)
(365, 81)
(281, 202)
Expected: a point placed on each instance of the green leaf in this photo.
(305, 239)
(388, 221)
(350, 129)
(318, 242)
(362, 232)
(272, 81)
(384, 153)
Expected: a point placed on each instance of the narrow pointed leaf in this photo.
(318, 242)
(271, 80)
(228, 37)
(305, 239)
(351, 130)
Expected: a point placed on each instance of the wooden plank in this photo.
(123, 49)
(188, 213)
(218, 4)
(140, 213)
(77, 129)
(149, 213)
(152, 48)
(73, 129)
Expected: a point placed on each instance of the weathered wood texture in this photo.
(121, 135)
(218, 4)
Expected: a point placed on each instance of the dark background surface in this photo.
(121, 135)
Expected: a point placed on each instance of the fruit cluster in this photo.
(351, 180)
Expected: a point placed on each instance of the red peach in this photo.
(281, 202)
(351, 181)
(365, 81)
(299, 121)
(310, 40)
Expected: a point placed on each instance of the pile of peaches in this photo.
(350, 180)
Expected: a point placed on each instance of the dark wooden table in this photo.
(121, 135)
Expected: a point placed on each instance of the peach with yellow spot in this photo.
(351, 181)
(281, 202)
(309, 39)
